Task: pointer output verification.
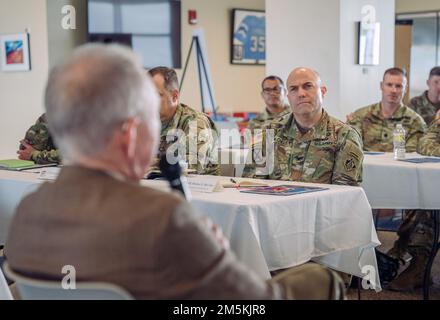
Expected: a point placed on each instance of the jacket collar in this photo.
(398, 114)
(318, 132)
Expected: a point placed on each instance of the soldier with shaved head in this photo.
(310, 145)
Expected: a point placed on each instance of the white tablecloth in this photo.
(393, 184)
(333, 227)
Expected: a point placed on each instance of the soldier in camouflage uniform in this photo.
(428, 104)
(429, 144)
(376, 124)
(310, 145)
(184, 130)
(273, 93)
(38, 145)
(376, 130)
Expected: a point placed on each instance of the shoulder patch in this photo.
(350, 164)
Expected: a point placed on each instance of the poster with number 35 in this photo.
(248, 37)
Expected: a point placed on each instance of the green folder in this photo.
(16, 164)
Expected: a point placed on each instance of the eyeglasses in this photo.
(276, 89)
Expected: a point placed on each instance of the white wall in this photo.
(304, 33)
(322, 35)
(359, 86)
(21, 93)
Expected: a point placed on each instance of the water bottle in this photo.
(399, 142)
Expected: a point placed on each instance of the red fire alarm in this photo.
(192, 16)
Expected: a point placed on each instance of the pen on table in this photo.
(235, 182)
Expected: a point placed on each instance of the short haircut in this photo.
(434, 72)
(92, 94)
(169, 77)
(395, 72)
(272, 78)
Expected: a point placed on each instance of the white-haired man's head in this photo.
(97, 96)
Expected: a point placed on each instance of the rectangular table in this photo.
(333, 227)
(393, 184)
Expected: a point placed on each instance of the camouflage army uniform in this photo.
(331, 152)
(39, 137)
(424, 107)
(377, 132)
(264, 119)
(429, 144)
(200, 143)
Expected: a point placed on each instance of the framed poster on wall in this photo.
(248, 37)
(14, 51)
(369, 43)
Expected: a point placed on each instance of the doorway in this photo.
(417, 48)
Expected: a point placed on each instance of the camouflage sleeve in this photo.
(348, 161)
(46, 156)
(202, 148)
(417, 131)
(250, 168)
(38, 135)
(429, 144)
(356, 123)
(256, 158)
(412, 104)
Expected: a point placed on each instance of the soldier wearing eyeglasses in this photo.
(273, 93)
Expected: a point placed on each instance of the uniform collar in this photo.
(266, 114)
(319, 131)
(427, 102)
(398, 114)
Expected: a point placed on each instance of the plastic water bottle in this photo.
(399, 142)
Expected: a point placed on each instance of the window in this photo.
(150, 27)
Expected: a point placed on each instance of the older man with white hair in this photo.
(103, 112)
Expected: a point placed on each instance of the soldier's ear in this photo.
(323, 90)
(175, 95)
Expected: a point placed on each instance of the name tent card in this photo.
(207, 184)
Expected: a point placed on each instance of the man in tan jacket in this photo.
(103, 113)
